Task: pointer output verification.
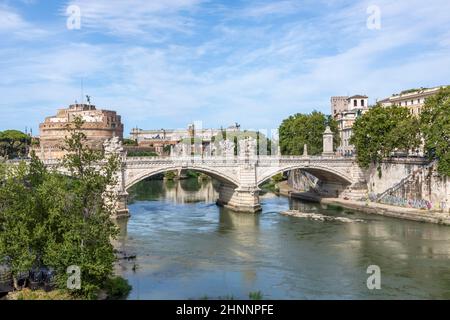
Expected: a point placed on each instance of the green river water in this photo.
(189, 248)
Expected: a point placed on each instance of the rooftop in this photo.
(358, 96)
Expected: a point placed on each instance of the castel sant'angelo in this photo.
(99, 125)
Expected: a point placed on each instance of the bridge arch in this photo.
(147, 173)
(323, 173)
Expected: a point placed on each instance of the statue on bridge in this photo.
(181, 149)
(226, 148)
(248, 147)
(113, 146)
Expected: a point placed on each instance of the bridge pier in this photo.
(239, 199)
(122, 206)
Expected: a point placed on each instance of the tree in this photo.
(435, 127)
(301, 129)
(381, 131)
(14, 144)
(23, 217)
(56, 221)
(83, 222)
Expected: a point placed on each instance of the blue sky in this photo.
(166, 63)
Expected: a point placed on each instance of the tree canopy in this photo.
(13, 144)
(56, 221)
(301, 129)
(435, 127)
(381, 131)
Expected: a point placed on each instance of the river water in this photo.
(188, 248)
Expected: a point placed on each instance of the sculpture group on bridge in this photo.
(246, 147)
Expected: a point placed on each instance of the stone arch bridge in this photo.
(241, 177)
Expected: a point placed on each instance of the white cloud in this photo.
(13, 25)
(255, 74)
(135, 17)
(272, 8)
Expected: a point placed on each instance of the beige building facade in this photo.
(99, 125)
(413, 99)
(345, 110)
(158, 139)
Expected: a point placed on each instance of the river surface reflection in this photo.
(188, 248)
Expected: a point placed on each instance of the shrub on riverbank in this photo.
(257, 295)
(27, 294)
(117, 288)
(272, 184)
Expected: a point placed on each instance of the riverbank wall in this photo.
(409, 183)
(403, 188)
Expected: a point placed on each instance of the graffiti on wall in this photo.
(409, 203)
(412, 203)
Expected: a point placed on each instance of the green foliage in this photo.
(27, 294)
(22, 217)
(435, 127)
(170, 175)
(381, 131)
(166, 148)
(192, 174)
(301, 129)
(129, 142)
(117, 288)
(14, 144)
(412, 90)
(257, 295)
(278, 178)
(141, 154)
(269, 186)
(51, 220)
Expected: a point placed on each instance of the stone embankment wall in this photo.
(299, 180)
(409, 184)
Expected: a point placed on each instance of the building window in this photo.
(362, 103)
(355, 103)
